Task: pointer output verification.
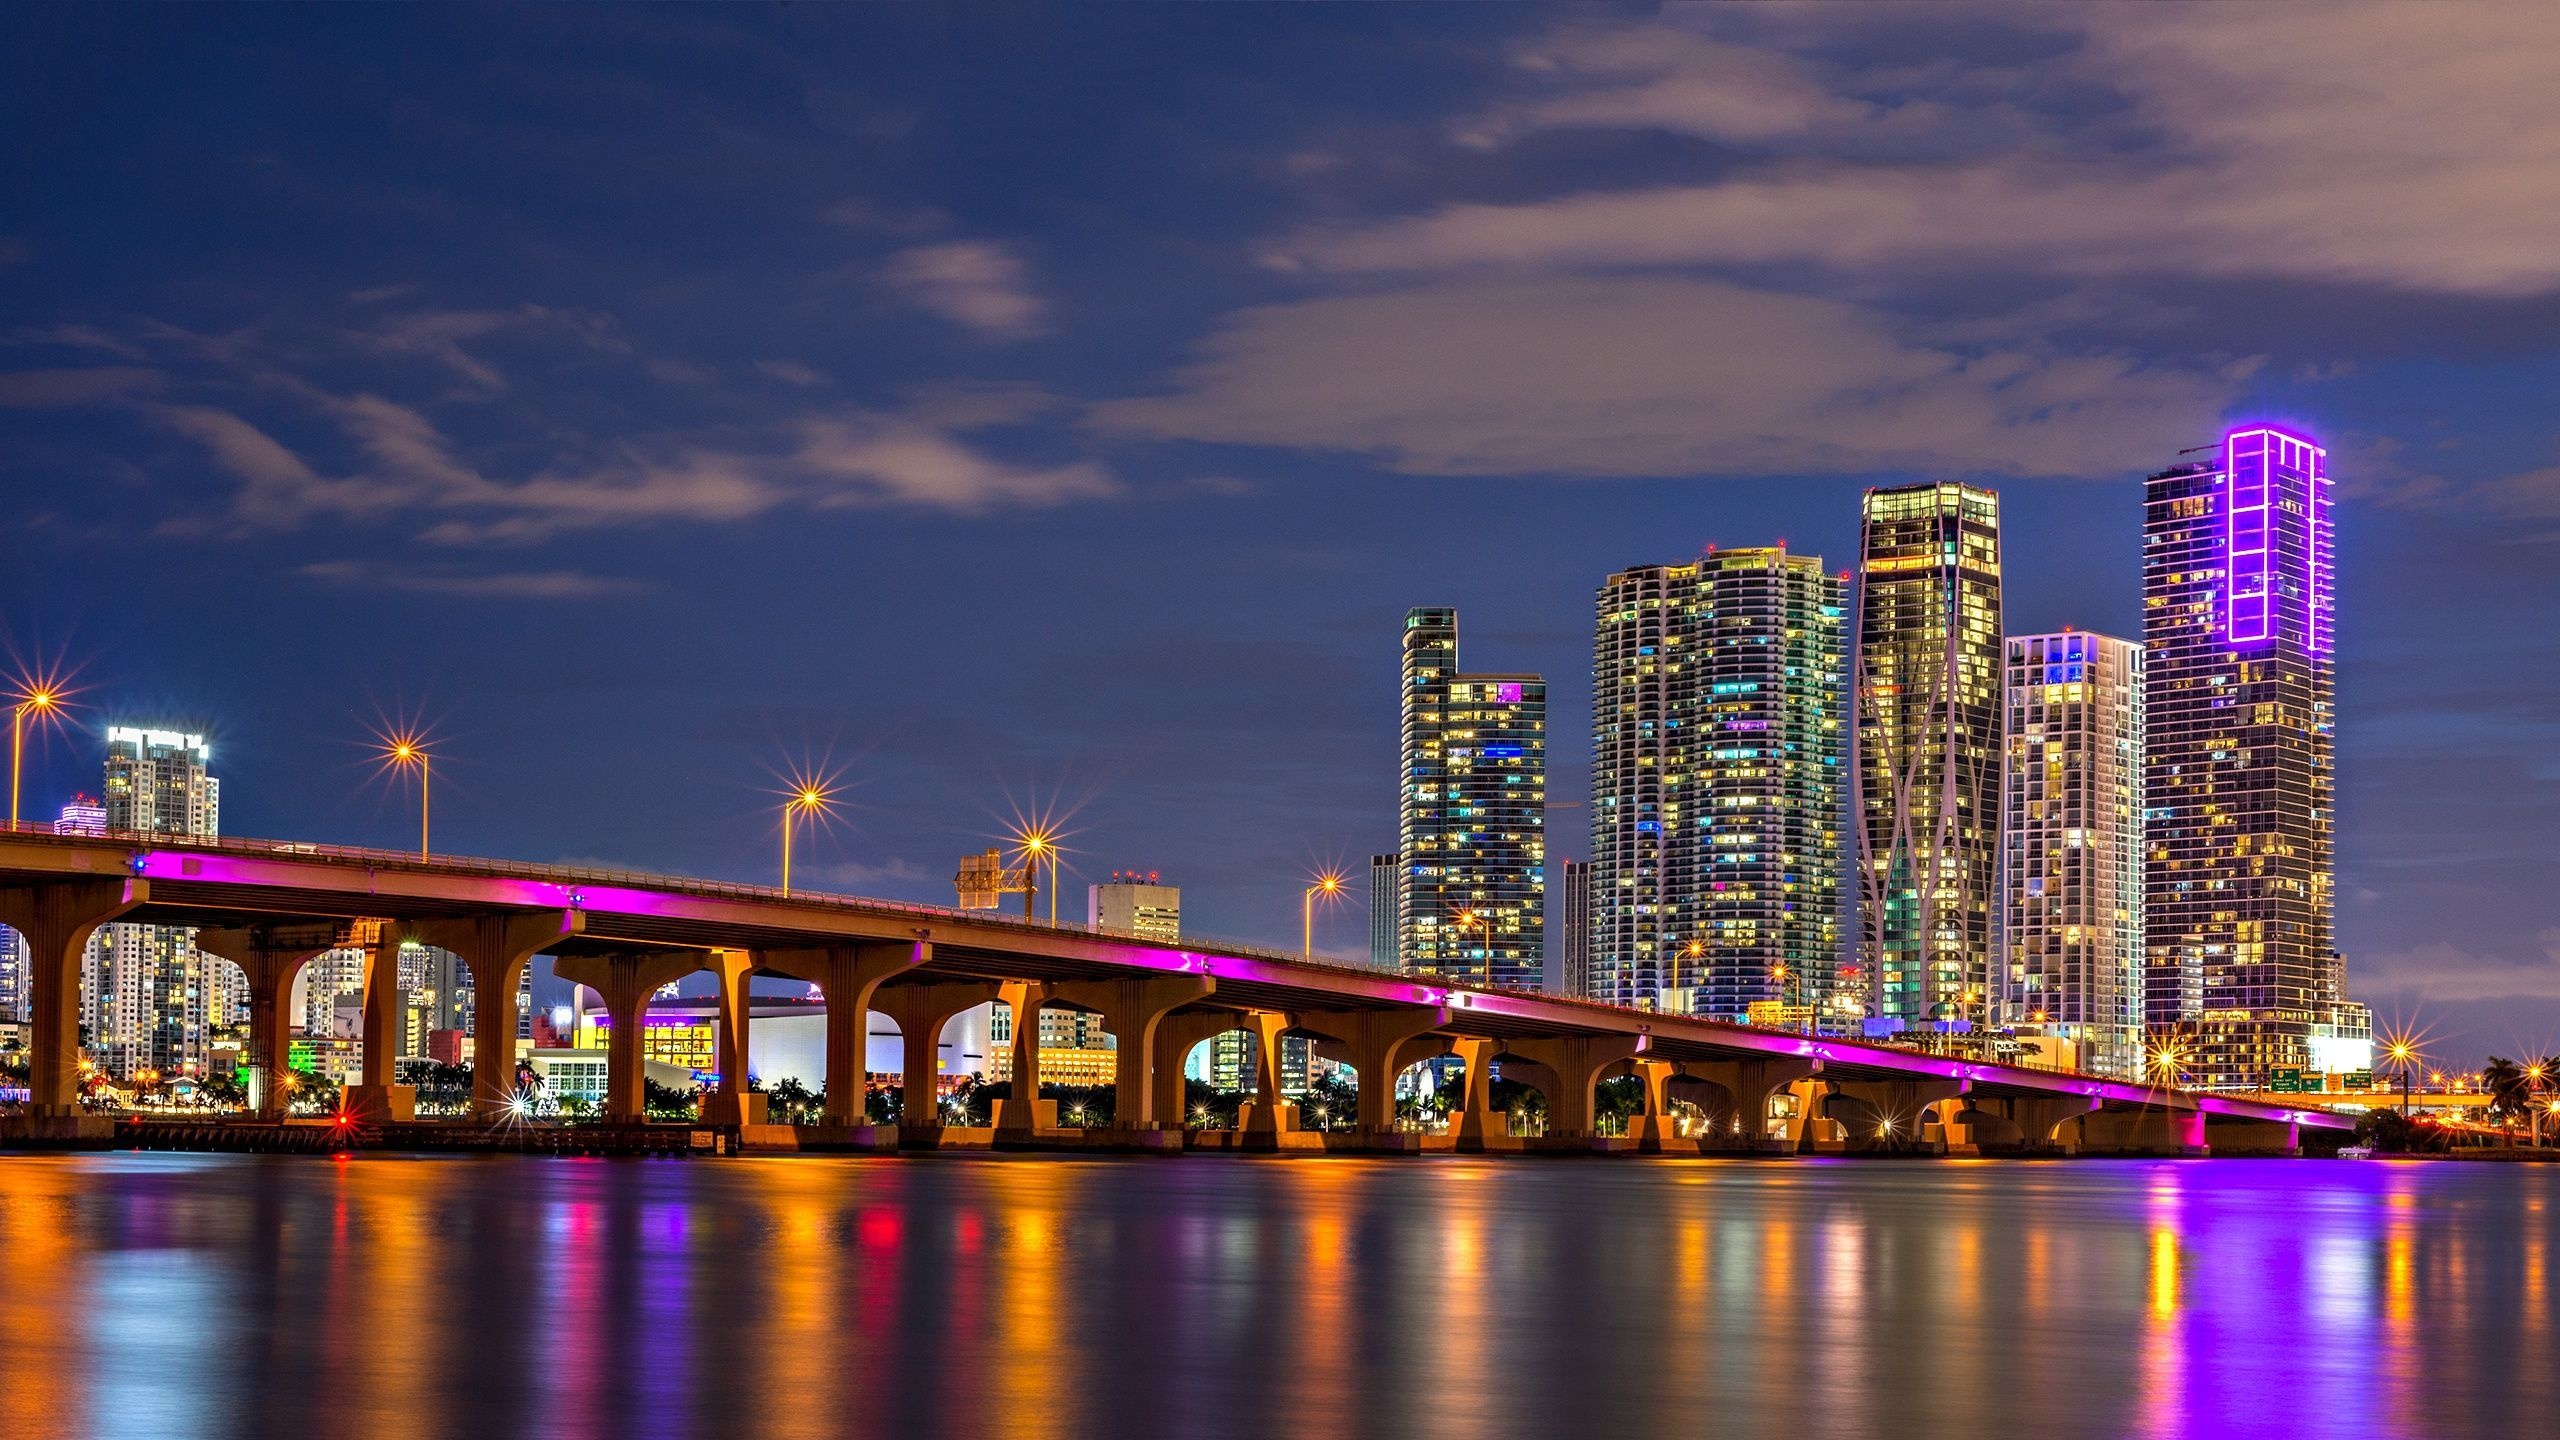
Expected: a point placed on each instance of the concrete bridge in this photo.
(271, 906)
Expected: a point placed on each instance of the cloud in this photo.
(2398, 146)
(1660, 76)
(437, 335)
(1654, 375)
(978, 284)
(510, 585)
(791, 372)
(54, 389)
(866, 217)
(887, 459)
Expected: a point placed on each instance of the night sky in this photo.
(1056, 409)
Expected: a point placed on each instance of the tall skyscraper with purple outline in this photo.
(2241, 975)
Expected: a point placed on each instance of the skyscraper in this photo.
(2238, 618)
(1928, 763)
(1383, 870)
(145, 991)
(2072, 836)
(1718, 745)
(1640, 634)
(1569, 954)
(1471, 896)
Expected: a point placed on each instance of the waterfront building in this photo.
(149, 999)
(2242, 977)
(2072, 859)
(1135, 903)
(1471, 894)
(1928, 675)
(1718, 746)
(1383, 871)
(82, 814)
(1569, 970)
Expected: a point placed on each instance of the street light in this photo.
(406, 750)
(2406, 1053)
(1328, 884)
(2533, 1086)
(1465, 918)
(808, 796)
(1037, 844)
(43, 699)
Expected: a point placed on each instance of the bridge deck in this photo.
(235, 882)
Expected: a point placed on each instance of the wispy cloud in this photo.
(2274, 149)
(978, 284)
(1659, 76)
(501, 585)
(791, 372)
(1655, 375)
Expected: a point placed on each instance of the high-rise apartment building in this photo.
(2072, 859)
(1471, 897)
(1718, 745)
(1135, 903)
(2242, 978)
(145, 992)
(1383, 870)
(1928, 681)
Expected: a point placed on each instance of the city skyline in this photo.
(1035, 437)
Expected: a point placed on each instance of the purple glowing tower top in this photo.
(2278, 537)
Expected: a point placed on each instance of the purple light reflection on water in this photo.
(1241, 1297)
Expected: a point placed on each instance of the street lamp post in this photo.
(2532, 1111)
(42, 700)
(2407, 1055)
(809, 797)
(1036, 846)
(1466, 918)
(408, 752)
(1328, 884)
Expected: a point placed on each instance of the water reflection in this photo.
(243, 1296)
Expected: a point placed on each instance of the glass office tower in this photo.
(1929, 678)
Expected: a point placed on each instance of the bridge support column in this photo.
(627, 983)
(496, 949)
(1902, 1109)
(1022, 1114)
(1377, 1045)
(2039, 1121)
(731, 1048)
(57, 921)
(270, 962)
(850, 977)
(1576, 1062)
(2228, 1136)
(379, 1096)
(1269, 1114)
(2144, 1131)
(1175, 1037)
(1473, 1121)
(1751, 1083)
(1652, 1128)
(1133, 1011)
(921, 1009)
